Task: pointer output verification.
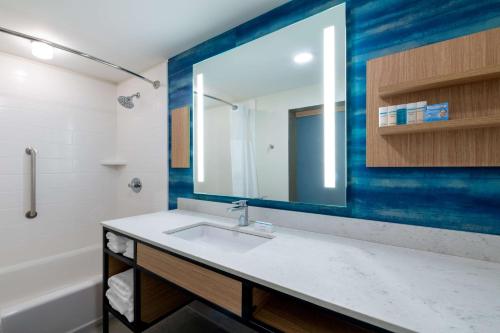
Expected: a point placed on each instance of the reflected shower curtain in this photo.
(243, 166)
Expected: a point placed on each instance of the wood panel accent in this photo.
(459, 71)
(291, 316)
(259, 298)
(181, 140)
(116, 266)
(158, 298)
(307, 113)
(315, 110)
(214, 287)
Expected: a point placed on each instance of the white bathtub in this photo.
(61, 293)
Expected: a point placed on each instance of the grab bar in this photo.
(31, 214)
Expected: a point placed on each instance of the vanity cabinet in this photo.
(164, 282)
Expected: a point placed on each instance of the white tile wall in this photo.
(75, 123)
(142, 141)
(71, 120)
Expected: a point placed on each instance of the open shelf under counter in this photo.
(441, 81)
(120, 317)
(445, 125)
(159, 299)
(128, 261)
(286, 314)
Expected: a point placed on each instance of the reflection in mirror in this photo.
(270, 115)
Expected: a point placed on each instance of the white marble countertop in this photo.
(399, 289)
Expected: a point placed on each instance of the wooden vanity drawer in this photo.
(214, 287)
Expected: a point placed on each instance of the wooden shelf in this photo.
(475, 75)
(446, 125)
(120, 317)
(292, 316)
(123, 259)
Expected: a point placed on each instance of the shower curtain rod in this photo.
(233, 106)
(156, 84)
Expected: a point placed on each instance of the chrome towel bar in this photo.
(32, 152)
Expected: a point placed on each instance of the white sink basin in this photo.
(223, 238)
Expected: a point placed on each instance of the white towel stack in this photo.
(129, 249)
(120, 293)
(119, 244)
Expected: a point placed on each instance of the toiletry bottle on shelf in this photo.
(421, 106)
(436, 112)
(411, 113)
(401, 114)
(382, 116)
(391, 115)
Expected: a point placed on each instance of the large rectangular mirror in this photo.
(269, 115)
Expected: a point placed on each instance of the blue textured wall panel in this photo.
(453, 198)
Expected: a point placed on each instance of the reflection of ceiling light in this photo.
(42, 50)
(303, 58)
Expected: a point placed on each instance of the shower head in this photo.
(127, 101)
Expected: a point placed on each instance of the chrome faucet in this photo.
(240, 205)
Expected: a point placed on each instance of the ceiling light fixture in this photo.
(303, 58)
(42, 50)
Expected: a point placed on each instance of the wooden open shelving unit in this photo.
(465, 72)
(154, 298)
(159, 298)
(289, 315)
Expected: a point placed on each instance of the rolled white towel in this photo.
(115, 238)
(123, 283)
(129, 315)
(126, 309)
(121, 298)
(118, 303)
(117, 247)
(117, 244)
(129, 251)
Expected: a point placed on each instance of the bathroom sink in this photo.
(220, 237)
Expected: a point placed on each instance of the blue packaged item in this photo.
(401, 114)
(436, 112)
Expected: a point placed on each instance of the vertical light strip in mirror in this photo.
(200, 132)
(329, 107)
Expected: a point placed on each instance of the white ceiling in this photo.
(265, 65)
(133, 34)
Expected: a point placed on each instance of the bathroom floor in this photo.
(194, 318)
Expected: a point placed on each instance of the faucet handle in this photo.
(240, 203)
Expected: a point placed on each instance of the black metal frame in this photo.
(247, 302)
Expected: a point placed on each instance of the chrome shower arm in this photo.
(156, 84)
(233, 106)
